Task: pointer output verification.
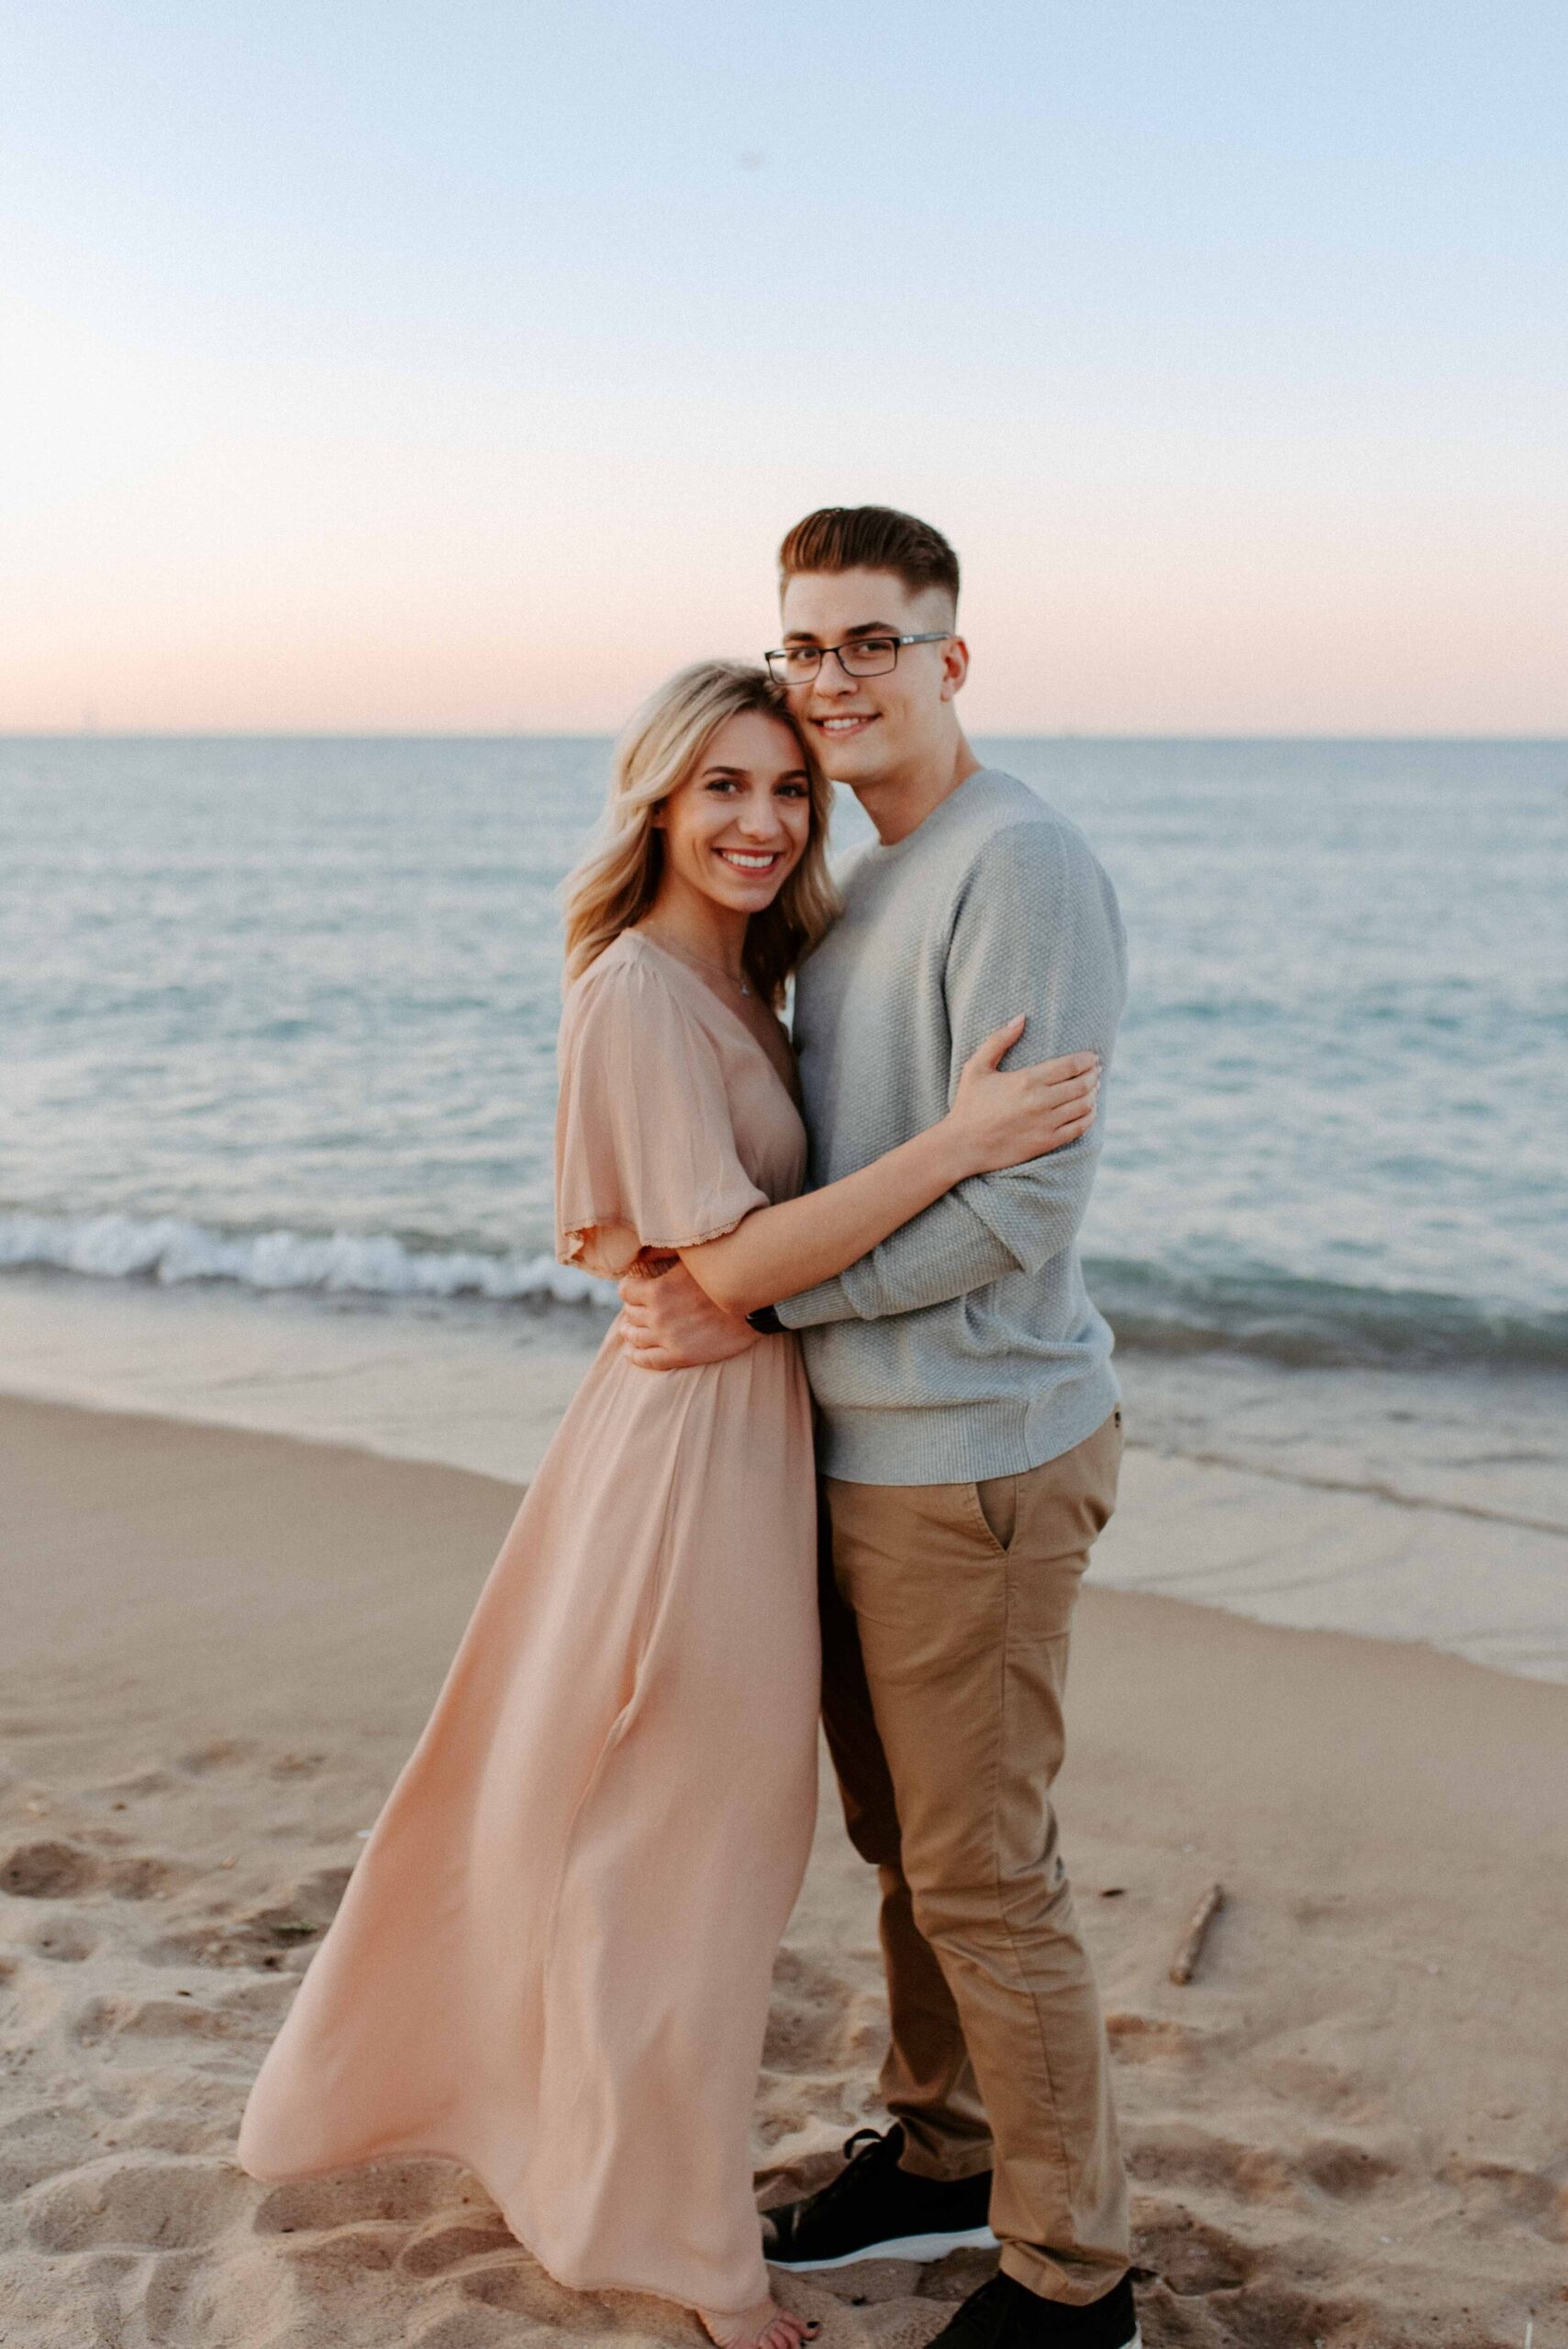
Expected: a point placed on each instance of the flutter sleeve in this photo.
(645, 1153)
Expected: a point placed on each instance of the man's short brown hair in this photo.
(871, 538)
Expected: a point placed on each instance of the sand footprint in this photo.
(425, 2218)
(53, 1869)
(39, 2142)
(1338, 2165)
(1528, 2196)
(144, 1876)
(266, 1938)
(404, 2190)
(147, 2201)
(1187, 2253)
(1180, 2154)
(805, 2024)
(1151, 2039)
(1330, 2094)
(49, 1870)
(178, 2033)
(62, 1940)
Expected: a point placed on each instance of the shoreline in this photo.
(1407, 1506)
(1347, 2128)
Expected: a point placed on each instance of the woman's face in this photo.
(738, 827)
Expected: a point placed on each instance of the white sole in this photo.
(916, 2247)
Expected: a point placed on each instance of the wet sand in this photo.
(1400, 1504)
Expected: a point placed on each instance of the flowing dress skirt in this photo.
(553, 1957)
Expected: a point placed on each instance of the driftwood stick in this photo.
(1183, 1966)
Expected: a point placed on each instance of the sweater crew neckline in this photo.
(886, 851)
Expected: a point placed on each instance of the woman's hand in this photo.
(995, 1121)
(1000, 1119)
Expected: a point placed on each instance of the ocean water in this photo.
(281, 1013)
(277, 1077)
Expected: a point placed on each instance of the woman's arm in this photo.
(998, 1119)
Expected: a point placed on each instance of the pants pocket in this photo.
(996, 1498)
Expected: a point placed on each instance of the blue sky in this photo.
(381, 366)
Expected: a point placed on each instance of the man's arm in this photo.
(1037, 931)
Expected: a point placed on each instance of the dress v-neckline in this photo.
(728, 1008)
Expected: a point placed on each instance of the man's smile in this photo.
(840, 728)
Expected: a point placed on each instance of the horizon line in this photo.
(598, 734)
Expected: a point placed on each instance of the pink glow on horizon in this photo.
(1178, 641)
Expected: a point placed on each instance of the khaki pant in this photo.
(945, 1612)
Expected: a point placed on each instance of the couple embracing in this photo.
(553, 1961)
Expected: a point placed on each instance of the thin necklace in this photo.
(685, 954)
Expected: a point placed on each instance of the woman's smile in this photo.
(751, 860)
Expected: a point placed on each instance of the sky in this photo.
(376, 367)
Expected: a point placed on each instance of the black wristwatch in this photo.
(766, 1320)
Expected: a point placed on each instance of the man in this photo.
(970, 1438)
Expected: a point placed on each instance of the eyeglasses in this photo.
(863, 656)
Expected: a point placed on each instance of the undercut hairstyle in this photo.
(871, 538)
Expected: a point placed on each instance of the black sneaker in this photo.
(1006, 2315)
(874, 2209)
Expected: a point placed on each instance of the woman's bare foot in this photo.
(766, 2326)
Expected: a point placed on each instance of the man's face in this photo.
(869, 729)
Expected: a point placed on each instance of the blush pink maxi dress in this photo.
(552, 1959)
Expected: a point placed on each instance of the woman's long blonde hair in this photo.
(662, 747)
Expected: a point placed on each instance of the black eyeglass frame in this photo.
(851, 643)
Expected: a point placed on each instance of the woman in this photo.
(553, 1961)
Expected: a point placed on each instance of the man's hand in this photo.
(668, 1322)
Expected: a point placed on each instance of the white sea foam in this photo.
(169, 1250)
(1260, 1310)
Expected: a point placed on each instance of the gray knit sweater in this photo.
(965, 1346)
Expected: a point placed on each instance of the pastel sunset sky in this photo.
(374, 366)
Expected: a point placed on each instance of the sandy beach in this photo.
(1348, 2129)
